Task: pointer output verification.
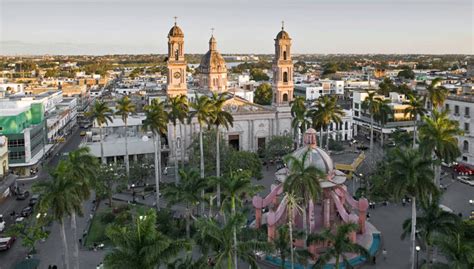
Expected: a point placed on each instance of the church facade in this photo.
(254, 124)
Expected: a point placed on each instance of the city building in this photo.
(461, 109)
(3, 157)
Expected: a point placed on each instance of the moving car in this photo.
(6, 242)
(362, 147)
(34, 200)
(463, 170)
(26, 212)
(466, 180)
(22, 195)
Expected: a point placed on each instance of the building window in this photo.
(467, 112)
(346, 127)
(176, 55)
(464, 158)
(285, 76)
(285, 97)
(356, 113)
(465, 146)
(456, 110)
(284, 55)
(466, 127)
(446, 107)
(356, 105)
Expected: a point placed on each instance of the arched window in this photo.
(285, 76)
(465, 146)
(284, 55)
(176, 54)
(285, 97)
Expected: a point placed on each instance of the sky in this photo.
(241, 26)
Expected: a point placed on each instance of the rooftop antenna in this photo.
(175, 20)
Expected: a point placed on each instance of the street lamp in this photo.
(471, 202)
(133, 194)
(417, 251)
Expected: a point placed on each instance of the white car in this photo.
(2, 223)
(466, 180)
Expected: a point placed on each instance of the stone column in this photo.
(258, 217)
(326, 212)
(271, 233)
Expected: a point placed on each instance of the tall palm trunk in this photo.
(218, 166)
(413, 232)
(290, 226)
(157, 151)
(414, 132)
(437, 170)
(102, 158)
(234, 234)
(175, 143)
(321, 137)
(181, 128)
(201, 151)
(305, 224)
(188, 221)
(127, 159)
(185, 147)
(371, 146)
(75, 250)
(65, 248)
(327, 139)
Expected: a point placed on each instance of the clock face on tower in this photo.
(177, 75)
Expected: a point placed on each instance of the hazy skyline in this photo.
(316, 26)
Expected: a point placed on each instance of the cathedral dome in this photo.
(176, 32)
(283, 35)
(316, 156)
(212, 61)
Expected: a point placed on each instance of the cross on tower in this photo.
(282, 25)
(175, 20)
(212, 31)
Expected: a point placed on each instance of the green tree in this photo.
(411, 175)
(292, 206)
(406, 74)
(220, 117)
(372, 104)
(416, 110)
(235, 187)
(301, 115)
(187, 192)
(202, 110)
(303, 181)
(340, 244)
(156, 121)
(243, 159)
(108, 179)
(257, 74)
(263, 94)
(386, 86)
(125, 107)
(178, 109)
(327, 111)
(458, 251)
(437, 94)
(433, 222)
(101, 114)
(140, 245)
(29, 235)
(438, 138)
(214, 237)
(278, 146)
(60, 197)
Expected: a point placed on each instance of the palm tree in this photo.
(60, 196)
(436, 94)
(100, 113)
(212, 236)
(124, 108)
(300, 115)
(382, 115)
(416, 109)
(303, 182)
(156, 121)
(202, 110)
(283, 244)
(324, 113)
(434, 222)
(238, 185)
(458, 251)
(82, 168)
(141, 245)
(438, 139)
(220, 117)
(340, 245)
(411, 174)
(292, 206)
(372, 105)
(186, 192)
(177, 112)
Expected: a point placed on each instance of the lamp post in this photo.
(417, 252)
(133, 193)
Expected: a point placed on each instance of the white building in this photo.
(461, 109)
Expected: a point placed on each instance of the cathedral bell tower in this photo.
(176, 80)
(282, 70)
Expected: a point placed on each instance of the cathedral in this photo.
(253, 124)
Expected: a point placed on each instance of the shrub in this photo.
(107, 218)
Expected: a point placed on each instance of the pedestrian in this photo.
(384, 254)
(403, 201)
(373, 259)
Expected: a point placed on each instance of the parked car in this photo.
(26, 212)
(34, 200)
(6, 242)
(463, 170)
(82, 133)
(19, 219)
(22, 195)
(466, 180)
(362, 147)
(2, 223)
(391, 144)
(448, 164)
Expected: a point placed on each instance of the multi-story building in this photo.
(320, 88)
(397, 119)
(461, 109)
(3, 157)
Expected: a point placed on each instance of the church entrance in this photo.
(234, 141)
(261, 143)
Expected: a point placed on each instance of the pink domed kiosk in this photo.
(334, 207)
